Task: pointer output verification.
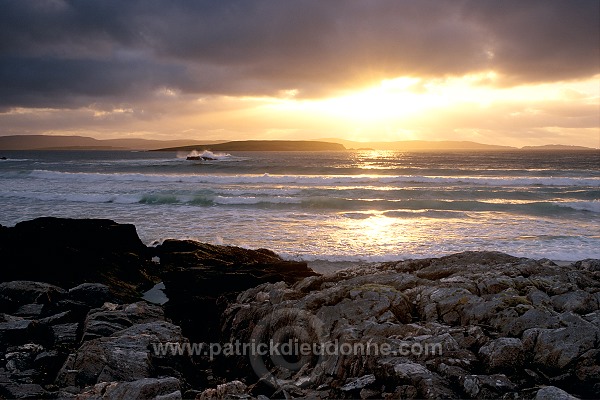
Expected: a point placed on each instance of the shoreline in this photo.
(71, 301)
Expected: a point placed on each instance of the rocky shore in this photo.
(73, 322)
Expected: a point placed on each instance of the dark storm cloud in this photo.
(69, 53)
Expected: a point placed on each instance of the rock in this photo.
(30, 310)
(19, 293)
(15, 332)
(532, 318)
(111, 318)
(21, 358)
(66, 335)
(537, 297)
(168, 388)
(225, 391)
(553, 393)
(487, 386)
(498, 325)
(358, 383)
(61, 317)
(23, 391)
(555, 349)
(488, 313)
(204, 277)
(126, 355)
(92, 294)
(402, 372)
(589, 264)
(579, 301)
(49, 363)
(68, 252)
(503, 354)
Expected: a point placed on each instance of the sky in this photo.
(507, 72)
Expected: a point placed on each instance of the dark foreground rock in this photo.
(67, 252)
(71, 348)
(71, 319)
(470, 325)
(201, 279)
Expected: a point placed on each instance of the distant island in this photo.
(49, 142)
(265, 145)
(447, 145)
(552, 147)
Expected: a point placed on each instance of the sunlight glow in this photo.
(399, 108)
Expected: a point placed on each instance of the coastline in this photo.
(71, 299)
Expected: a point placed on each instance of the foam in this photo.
(206, 153)
(354, 208)
(593, 206)
(314, 179)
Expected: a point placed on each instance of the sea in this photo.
(328, 207)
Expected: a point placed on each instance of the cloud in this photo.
(58, 53)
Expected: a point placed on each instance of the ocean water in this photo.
(360, 206)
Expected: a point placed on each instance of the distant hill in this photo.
(421, 145)
(264, 145)
(561, 147)
(48, 142)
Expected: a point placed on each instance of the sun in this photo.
(391, 99)
(381, 110)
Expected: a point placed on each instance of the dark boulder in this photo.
(19, 293)
(201, 279)
(15, 332)
(92, 294)
(68, 252)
